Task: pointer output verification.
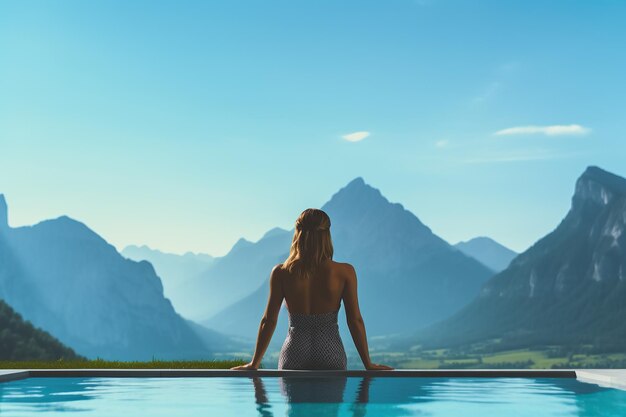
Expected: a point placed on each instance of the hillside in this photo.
(66, 279)
(174, 270)
(20, 340)
(568, 288)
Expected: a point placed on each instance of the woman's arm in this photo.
(355, 320)
(268, 322)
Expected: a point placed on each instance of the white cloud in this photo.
(554, 130)
(356, 136)
(442, 143)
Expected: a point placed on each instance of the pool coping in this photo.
(142, 373)
(611, 378)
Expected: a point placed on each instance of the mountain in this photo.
(4, 213)
(408, 276)
(235, 275)
(64, 278)
(174, 270)
(569, 288)
(20, 340)
(487, 251)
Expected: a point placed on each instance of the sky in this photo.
(185, 125)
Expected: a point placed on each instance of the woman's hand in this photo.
(377, 367)
(247, 367)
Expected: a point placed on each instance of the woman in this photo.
(313, 286)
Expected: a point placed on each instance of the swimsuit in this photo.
(313, 342)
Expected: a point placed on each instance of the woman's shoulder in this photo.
(343, 267)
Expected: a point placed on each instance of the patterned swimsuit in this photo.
(313, 342)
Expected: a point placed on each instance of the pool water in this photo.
(309, 396)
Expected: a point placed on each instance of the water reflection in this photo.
(263, 404)
(359, 406)
(306, 396)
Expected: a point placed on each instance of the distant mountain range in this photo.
(234, 276)
(487, 251)
(408, 276)
(64, 278)
(568, 288)
(174, 270)
(21, 341)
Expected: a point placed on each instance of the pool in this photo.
(308, 396)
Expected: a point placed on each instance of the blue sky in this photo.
(186, 125)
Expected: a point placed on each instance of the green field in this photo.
(549, 357)
(544, 358)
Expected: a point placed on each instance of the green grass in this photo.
(102, 364)
(518, 358)
(416, 359)
(539, 357)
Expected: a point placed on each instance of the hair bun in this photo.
(304, 227)
(313, 220)
(308, 227)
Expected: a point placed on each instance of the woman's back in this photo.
(313, 340)
(319, 293)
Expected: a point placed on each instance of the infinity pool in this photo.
(308, 396)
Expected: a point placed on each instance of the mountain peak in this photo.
(4, 213)
(608, 179)
(487, 251)
(357, 191)
(276, 231)
(241, 243)
(358, 206)
(599, 186)
(481, 239)
(357, 182)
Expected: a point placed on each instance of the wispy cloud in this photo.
(442, 143)
(501, 76)
(356, 136)
(488, 93)
(554, 130)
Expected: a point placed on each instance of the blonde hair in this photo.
(311, 243)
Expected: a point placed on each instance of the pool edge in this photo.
(13, 374)
(138, 373)
(610, 378)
